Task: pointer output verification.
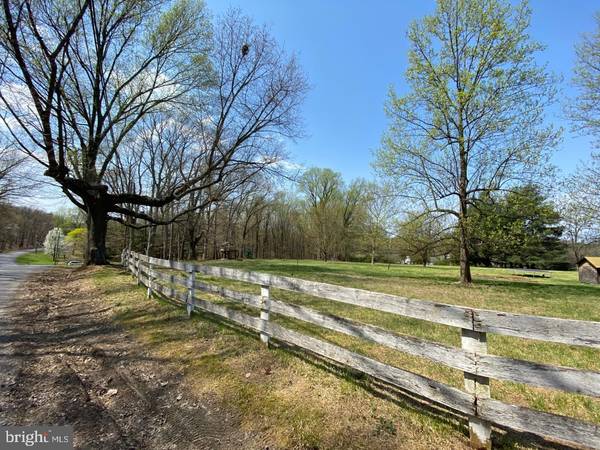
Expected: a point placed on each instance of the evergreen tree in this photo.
(519, 229)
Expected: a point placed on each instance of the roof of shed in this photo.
(593, 260)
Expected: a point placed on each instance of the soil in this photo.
(71, 364)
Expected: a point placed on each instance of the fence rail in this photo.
(478, 366)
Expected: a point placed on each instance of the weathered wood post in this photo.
(480, 431)
(139, 270)
(265, 306)
(150, 281)
(131, 263)
(190, 285)
(134, 265)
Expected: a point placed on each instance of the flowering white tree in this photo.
(54, 244)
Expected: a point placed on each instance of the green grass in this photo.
(560, 295)
(39, 258)
(288, 400)
(314, 415)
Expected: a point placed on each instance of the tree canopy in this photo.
(584, 110)
(519, 229)
(473, 120)
(80, 79)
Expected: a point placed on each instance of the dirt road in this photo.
(73, 365)
(11, 276)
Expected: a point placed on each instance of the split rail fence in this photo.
(478, 366)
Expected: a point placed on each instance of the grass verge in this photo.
(32, 258)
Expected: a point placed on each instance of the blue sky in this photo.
(352, 51)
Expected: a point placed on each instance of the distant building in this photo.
(227, 252)
(589, 269)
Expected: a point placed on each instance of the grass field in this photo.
(315, 407)
(39, 258)
(559, 295)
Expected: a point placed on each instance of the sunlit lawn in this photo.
(304, 406)
(558, 295)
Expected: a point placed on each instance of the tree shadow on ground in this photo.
(502, 437)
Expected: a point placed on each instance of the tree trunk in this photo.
(192, 240)
(97, 226)
(465, 265)
(149, 239)
(373, 251)
(193, 250)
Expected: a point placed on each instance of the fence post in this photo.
(265, 306)
(150, 281)
(190, 295)
(131, 263)
(480, 431)
(139, 271)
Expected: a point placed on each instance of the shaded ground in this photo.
(74, 365)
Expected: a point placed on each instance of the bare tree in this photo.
(380, 208)
(584, 110)
(323, 191)
(422, 236)
(353, 199)
(78, 79)
(581, 227)
(579, 207)
(10, 163)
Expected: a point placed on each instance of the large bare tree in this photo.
(79, 77)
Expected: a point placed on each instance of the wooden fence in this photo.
(478, 366)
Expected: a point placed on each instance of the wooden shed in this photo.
(589, 269)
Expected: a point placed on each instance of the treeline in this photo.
(322, 217)
(22, 227)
